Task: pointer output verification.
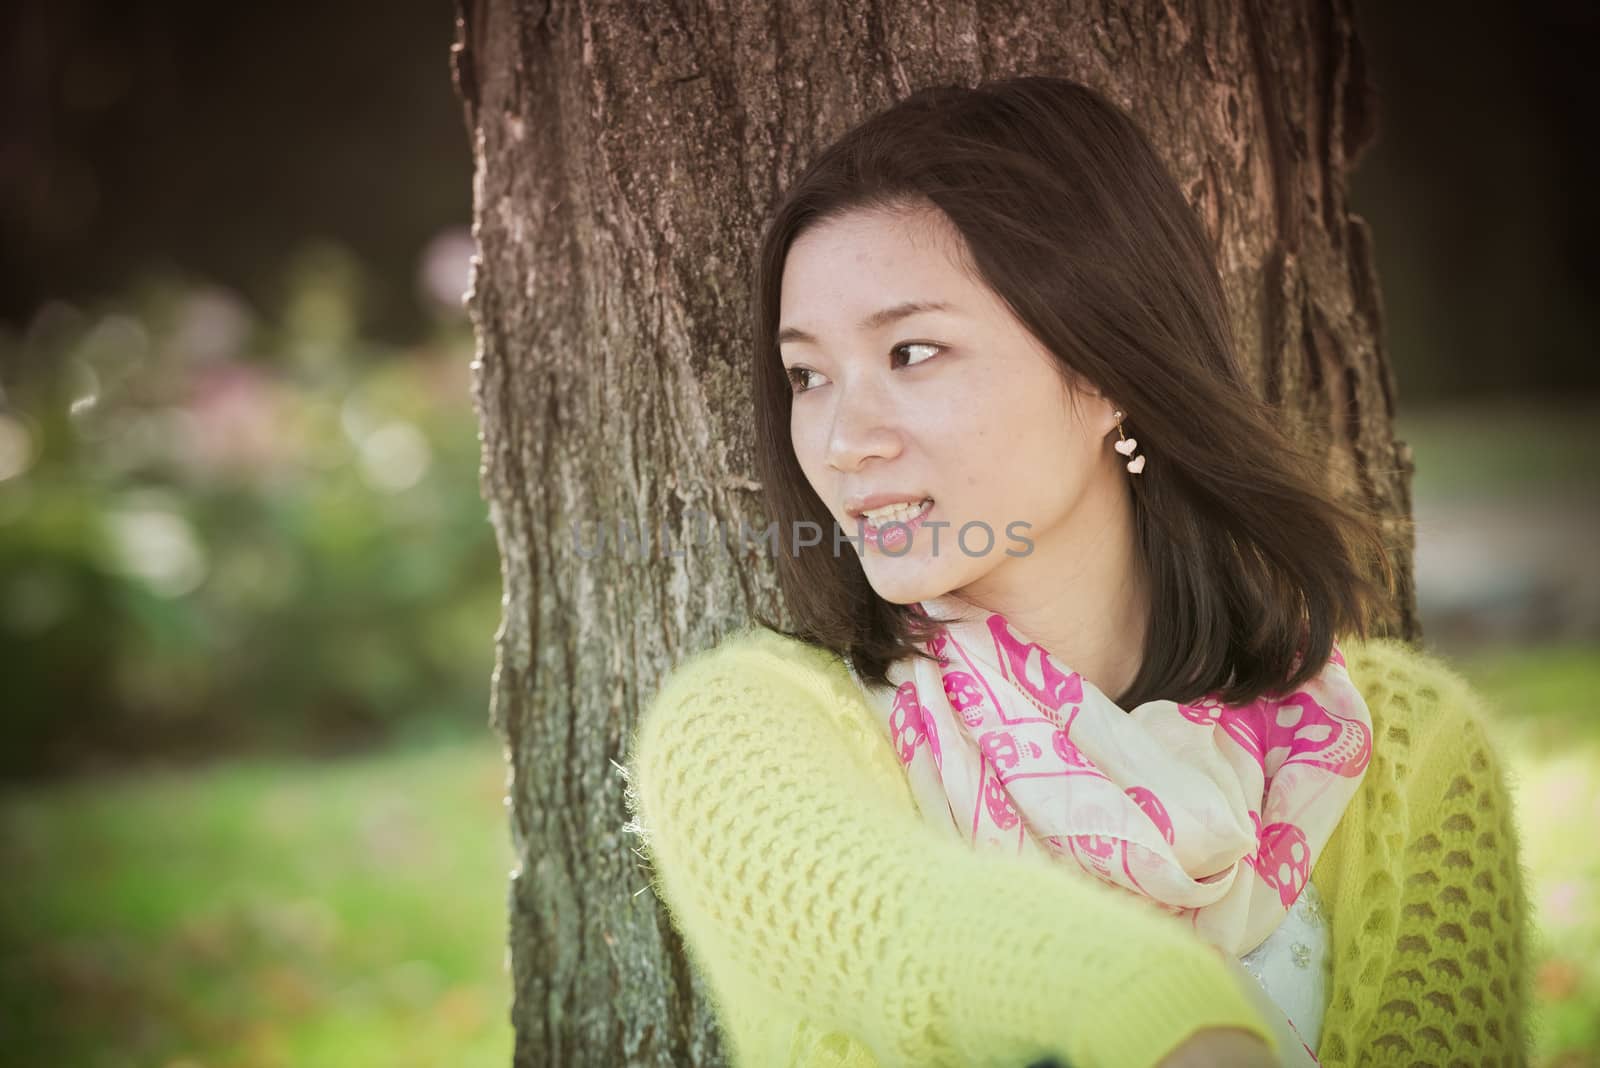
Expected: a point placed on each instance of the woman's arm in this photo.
(800, 879)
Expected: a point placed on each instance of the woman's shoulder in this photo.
(755, 683)
(759, 678)
(1409, 689)
(753, 655)
(752, 674)
(1431, 723)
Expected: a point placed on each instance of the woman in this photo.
(1077, 747)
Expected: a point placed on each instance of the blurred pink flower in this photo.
(231, 421)
(1561, 902)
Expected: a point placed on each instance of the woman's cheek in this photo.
(805, 439)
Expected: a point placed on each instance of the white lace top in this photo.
(1291, 969)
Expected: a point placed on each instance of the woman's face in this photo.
(960, 405)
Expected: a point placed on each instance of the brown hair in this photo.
(1070, 217)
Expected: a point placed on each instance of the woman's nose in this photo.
(863, 427)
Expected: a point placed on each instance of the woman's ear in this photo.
(1094, 408)
(1102, 412)
(1085, 388)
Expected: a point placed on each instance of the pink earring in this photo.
(1126, 446)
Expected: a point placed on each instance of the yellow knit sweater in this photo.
(786, 846)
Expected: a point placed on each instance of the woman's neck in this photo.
(1081, 593)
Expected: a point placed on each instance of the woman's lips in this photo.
(895, 534)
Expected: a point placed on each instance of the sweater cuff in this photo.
(1168, 1001)
(1144, 1006)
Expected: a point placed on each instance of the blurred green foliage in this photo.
(217, 531)
(261, 912)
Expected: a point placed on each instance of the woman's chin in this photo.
(905, 580)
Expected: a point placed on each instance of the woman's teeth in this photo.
(895, 513)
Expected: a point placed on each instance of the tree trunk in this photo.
(627, 155)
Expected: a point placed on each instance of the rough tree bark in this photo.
(627, 155)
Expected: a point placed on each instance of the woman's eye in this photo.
(797, 379)
(803, 379)
(909, 346)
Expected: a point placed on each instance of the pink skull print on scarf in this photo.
(1216, 814)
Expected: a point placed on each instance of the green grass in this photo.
(268, 913)
(1547, 719)
(1545, 697)
(260, 914)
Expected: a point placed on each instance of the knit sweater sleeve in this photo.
(1456, 990)
(804, 885)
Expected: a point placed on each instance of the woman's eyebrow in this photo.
(875, 321)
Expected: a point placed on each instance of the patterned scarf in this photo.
(1213, 812)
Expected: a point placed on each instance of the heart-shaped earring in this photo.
(1126, 445)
